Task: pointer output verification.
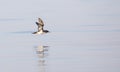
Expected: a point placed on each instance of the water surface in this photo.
(84, 36)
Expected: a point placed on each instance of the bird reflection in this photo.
(42, 53)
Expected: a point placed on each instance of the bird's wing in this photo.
(37, 23)
(40, 21)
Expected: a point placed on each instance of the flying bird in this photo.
(40, 25)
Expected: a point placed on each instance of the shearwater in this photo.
(40, 25)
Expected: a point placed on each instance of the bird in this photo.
(40, 25)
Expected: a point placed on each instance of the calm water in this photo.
(84, 36)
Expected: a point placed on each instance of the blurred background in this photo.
(84, 36)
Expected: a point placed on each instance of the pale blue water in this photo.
(84, 36)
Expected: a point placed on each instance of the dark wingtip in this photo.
(37, 23)
(46, 31)
(34, 32)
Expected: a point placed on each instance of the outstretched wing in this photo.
(40, 24)
(40, 21)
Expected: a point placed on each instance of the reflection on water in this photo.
(42, 52)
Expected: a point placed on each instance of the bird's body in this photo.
(40, 25)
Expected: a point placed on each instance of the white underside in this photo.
(40, 32)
